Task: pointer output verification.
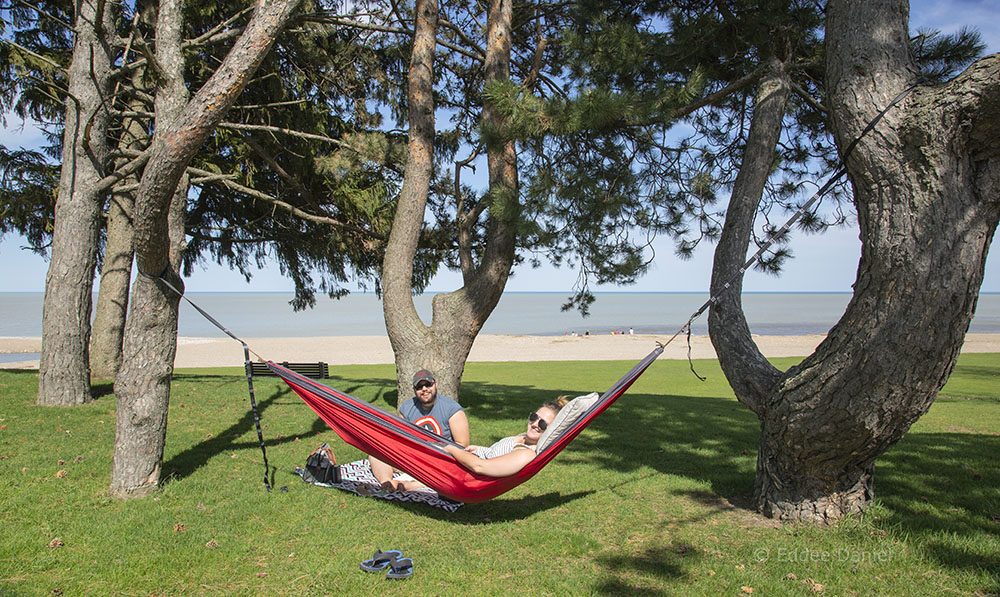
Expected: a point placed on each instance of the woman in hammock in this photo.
(510, 454)
(505, 457)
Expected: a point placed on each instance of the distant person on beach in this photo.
(432, 411)
(508, 455)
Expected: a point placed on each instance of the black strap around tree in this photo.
(247, 365)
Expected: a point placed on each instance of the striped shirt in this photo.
(503, 446)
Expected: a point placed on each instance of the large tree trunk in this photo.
(926, 189)
(444, 346)
(143, 385)
(64, 370)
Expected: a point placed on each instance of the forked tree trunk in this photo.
(926, 191)
(64, 369)
(143, 385)
(443, 347)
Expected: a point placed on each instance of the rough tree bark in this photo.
(64, 369)
(444, 346)
(143, 384)
(926, 187)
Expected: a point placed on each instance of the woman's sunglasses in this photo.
(541, 422)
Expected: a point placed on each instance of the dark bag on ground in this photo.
(321, 467)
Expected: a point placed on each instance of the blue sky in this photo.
(822, 263)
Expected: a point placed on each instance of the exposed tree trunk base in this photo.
(786, 499)
(146, 489)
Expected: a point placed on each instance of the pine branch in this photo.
(214, 35)
(333, 20)
(48, 61)
(47, 15)
(283, 131)
(124, 171)
(230, 182)
(807, 98)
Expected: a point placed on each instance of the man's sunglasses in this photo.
(541, 422)
(422, 385)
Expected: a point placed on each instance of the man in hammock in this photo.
(432, 411)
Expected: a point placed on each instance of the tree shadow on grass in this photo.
(189, 460)
(101, 389)
(941, 488)
(499, 509)
(665, 562)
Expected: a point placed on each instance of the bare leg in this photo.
(382, 472)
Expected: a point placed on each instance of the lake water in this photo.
(258, 314)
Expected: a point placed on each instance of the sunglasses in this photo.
(422, 385)
(542, 424)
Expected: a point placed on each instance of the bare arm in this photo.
(501, 466)
(459, 424)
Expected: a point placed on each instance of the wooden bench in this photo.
(317, 370)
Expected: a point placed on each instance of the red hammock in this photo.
(419, 452)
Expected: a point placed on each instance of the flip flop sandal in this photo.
(380, 560)
(400, 568)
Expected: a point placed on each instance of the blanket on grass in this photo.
(356, 477)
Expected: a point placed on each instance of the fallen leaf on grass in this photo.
(261, 574)
(747, 590)
(791, 576)
(61, 462)
(211, 544)
(180, 527)
(813, 585)
(56, 543)
(61, 474)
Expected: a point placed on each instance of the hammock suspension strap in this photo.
(246, 365)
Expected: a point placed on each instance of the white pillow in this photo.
(565, 418)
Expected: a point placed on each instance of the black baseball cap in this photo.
(423, 375)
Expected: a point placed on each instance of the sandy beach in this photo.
(355, 350)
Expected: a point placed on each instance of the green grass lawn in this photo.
(651, 498)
